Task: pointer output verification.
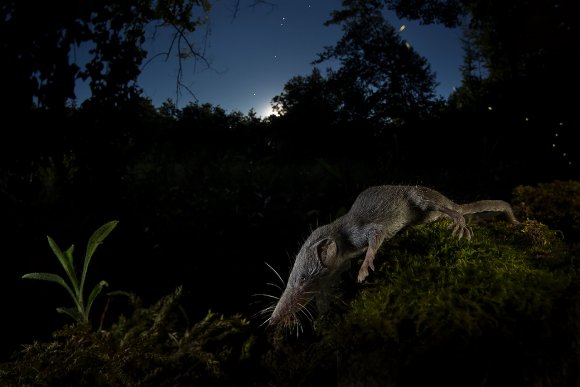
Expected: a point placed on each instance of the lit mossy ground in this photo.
(500, 310)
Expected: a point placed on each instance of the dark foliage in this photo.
(499, 310)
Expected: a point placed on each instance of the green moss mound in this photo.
(152, 347)
(501, 308)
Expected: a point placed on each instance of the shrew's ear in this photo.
(327, 252)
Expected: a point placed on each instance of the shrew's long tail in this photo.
(489, 206)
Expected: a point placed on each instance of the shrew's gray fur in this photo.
(376, 215)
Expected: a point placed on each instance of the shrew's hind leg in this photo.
(430, 200)
(459, 226)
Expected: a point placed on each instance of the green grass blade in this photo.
(65, 262)
(96, 290)
(94, 241)
(69, 255)
(46, 277)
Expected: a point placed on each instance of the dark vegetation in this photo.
(499, 310)
(204, 197)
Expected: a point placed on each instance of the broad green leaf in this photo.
(96, 290)
(94, 241)
(68, 266)
(74, 313)
(52, 278)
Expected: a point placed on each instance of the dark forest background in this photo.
(204, 197)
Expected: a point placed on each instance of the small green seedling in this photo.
(75, 288)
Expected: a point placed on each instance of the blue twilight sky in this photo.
(253, 54)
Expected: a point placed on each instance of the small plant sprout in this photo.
(75, 288)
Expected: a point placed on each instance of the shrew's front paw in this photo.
(363, 273)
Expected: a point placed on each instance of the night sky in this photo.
(254, 52)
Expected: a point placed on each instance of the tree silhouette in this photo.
(527, 47)
(383, 79)
(473, 71)
(305, 95)
(308, 110)
(39, 42)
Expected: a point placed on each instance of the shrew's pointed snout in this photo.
(292, 303)
(276, 317)
(282, 309)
